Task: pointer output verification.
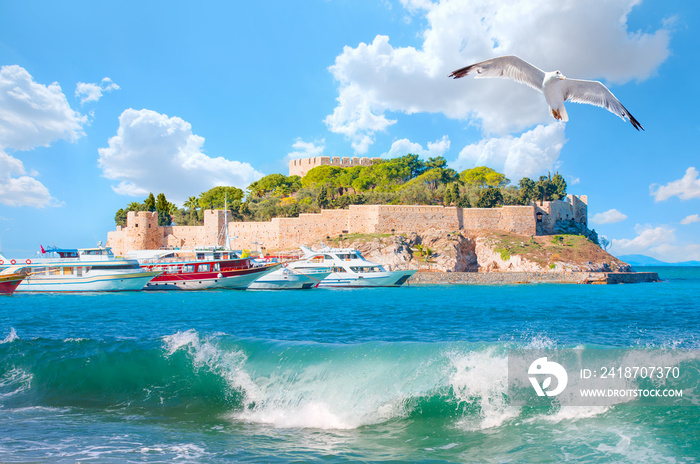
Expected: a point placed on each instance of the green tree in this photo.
(191, 204)
(275, 183)
(322, 175)
(322, 199)
(481, 176)
(545, 188)
(412, 164)
(120, 217)
(150, 203)
(437, 162)
(559, 189)
(447, 199)
(164, 208)
(455, 193)
(136, 206)
(214, 197)
(489, 198)
(527, 192)
(463, 202)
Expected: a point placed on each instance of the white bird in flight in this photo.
(556, 87)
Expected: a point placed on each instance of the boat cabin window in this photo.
(346, 256)
(217, 267)
(97, 252)
(203, 268)
(187, 268)
(171, 270)
(217, 255)
(367, 268)
(317, 259)
(328, 257)
(337, 269)
(200, 256)
(68, 254)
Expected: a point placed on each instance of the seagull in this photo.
(556, 87)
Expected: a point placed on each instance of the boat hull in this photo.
(105, 283)
(377, 279)
(8, 286)
(236, 280)
(288, 279)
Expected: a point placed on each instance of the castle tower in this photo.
(214, 223)
(142, 231)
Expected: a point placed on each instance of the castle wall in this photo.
(571, 208)
(142, 231)
(299, 167)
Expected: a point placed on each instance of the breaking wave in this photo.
(277, 383)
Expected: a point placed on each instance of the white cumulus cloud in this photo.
(532, 154)
(648, 239)
(307, 149)
(690, 219)
(19, 189)
(610, 216)
(404, 147)
(92, 92)
(31, 115)
(377, 78)
(152, 152)
(685, 188)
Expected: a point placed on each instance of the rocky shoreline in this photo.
(494, 257)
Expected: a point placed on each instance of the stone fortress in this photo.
(142, 231)
(299, 167)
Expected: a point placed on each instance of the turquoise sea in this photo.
(412, 374)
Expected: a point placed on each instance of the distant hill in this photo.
(642, 260)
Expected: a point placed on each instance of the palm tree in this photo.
(191, 203)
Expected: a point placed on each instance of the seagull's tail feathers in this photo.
(559, 114)
(563, 114)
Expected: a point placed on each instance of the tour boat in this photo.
(350, 269)
(81, 270)
(294, 275)
(200, 269)
(11, 277)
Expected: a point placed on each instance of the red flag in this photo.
(42, 249)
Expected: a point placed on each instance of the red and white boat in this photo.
(11, 277)
(203, 269)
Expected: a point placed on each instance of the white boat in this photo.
(81, 270)
(294, 275)
(350, 269)
(200, 269)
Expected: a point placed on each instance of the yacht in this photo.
(81, 270)
(350, 269)
(200, 269)
(293, 275)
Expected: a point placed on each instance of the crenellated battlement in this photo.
(299, 167)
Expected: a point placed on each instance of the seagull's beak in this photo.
(561, 76)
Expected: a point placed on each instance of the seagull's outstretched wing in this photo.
(595, 93)
(508, 67)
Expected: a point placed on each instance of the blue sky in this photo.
(102, 103)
